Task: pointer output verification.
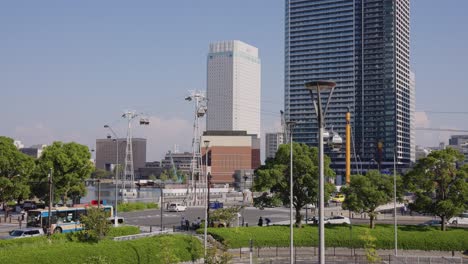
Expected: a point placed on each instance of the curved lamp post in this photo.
(319, 86)
(116, 221)
(207, 144)
(291, 125)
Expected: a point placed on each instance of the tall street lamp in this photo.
(394, 201)
(291, 125)
(207, 144)
(318, 86)
(116, 222)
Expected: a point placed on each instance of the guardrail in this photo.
(132, 237)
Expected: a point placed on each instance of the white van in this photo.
(462, 219)
(176, 207)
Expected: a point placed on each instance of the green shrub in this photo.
(96, 225)
(123, 231)
(136, 206)
(409, 237)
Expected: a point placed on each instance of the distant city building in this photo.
(422, 152)
(364, 47)
(153, 164)
(106, 153)
(460, 142)
(243, 179)
(230, 151)
(18, 144)
(181, 161)
(34, 151)
(233, 87)
(272, 142)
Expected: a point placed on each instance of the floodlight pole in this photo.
(116, 221)
(394, 202)
(318, 85)
(207, 144)
(49, 231)
(291, 125)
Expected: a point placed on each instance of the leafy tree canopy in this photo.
(274, 176)
(71, 166)
(16, 169)
(367, 192)
(440, 187)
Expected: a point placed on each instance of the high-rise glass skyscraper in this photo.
(362, 45)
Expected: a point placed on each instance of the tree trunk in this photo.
(372, 223)
(298, 217)
(443, 227)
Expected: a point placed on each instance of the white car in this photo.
(337, 220)
(462, 219)
(25, 232)
(176, 207)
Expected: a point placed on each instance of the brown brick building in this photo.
(230, 151)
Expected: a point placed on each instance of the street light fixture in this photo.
(207, 144)
(116, 222)
(291, 125)
(319, 86)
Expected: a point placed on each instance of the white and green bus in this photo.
(63, 219)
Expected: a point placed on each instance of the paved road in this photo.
(251, 216)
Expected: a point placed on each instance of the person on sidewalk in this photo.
(268, 221)
(260, 221)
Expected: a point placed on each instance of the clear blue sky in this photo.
(69, 67)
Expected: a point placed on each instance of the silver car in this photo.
(24, 232)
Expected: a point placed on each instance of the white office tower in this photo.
(412, 99)
(272, 142)
(233, 87)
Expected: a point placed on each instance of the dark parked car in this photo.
(431, 223)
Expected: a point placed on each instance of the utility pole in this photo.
(49, 231)
(161, 203)
(99, 192)
(348, 147)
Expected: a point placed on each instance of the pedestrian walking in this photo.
(268, 221)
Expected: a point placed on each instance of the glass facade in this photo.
(362, 45)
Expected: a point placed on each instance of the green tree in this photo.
(16, 169)
(226, 215)
(71, 166)
(101, 174)
(163, 176)
(367, 192)
(152, 177)
(95, 223)
(267, 200)
(275, 174)
(440, 187)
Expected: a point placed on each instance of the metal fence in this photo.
(334, 255)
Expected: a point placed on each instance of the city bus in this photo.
(63, 219)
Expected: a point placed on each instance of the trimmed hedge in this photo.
(409, 237)
(136, 206)
(158, 249)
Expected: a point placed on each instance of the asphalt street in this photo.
(251, 215)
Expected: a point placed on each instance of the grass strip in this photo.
(409, 237)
